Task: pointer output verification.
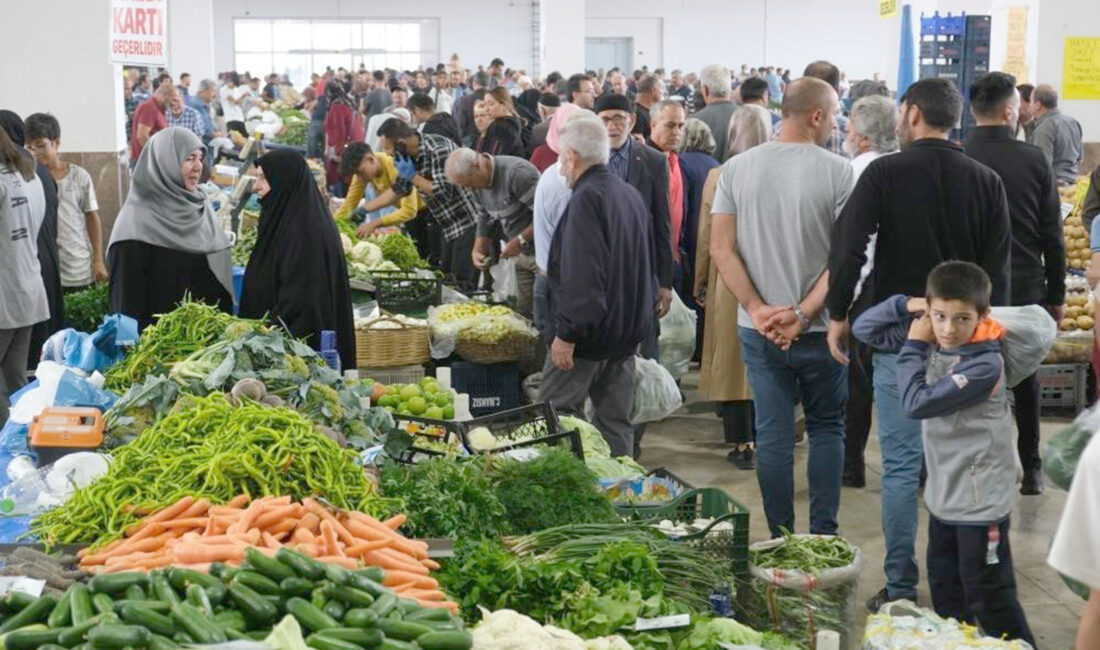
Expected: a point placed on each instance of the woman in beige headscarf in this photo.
(723, 377)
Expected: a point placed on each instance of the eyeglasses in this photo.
(617, 120)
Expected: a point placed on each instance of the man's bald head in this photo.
(1046, 96)
(806, 95)
(809, 111)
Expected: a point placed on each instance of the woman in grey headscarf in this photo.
(167, 242)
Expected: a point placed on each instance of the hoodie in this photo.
(962, 401)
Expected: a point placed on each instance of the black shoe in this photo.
(1033, 482)
(742, 458)
(878, 600)
(854, 479)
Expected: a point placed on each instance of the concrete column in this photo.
(563, 26)
(191, 39)
(59, 61)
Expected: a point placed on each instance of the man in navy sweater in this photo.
(602, 287)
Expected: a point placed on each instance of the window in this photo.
(298, 48)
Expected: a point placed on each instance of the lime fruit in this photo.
(441, 399)
(434, 412)
(410, 391)
(448, 412)
(417, 405)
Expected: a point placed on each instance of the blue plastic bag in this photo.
(96, 351)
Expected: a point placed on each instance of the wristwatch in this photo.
(802, 319)
(522, 239)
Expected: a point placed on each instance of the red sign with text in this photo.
(139, 32)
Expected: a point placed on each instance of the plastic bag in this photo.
(901, 624)
(798, 604)
(677, 339)
(505, 285)
(656, 395)
(1061, 452)
(1029, 335)
(96, 351)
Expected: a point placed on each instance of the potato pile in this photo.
(1080, 311)
(1078, 252)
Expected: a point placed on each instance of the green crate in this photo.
(730, 546)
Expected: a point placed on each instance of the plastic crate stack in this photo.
(955, 48)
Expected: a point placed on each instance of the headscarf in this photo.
(296, 234)
(527, 105)
(161, 211)
(557, 123)
(749, 127)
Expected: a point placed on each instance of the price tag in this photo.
(1067, 209)
(28, 586)
(662, 622)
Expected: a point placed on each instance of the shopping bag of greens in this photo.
(799, 585)
(1061, 453)
(656, 395)
(1029, 335)
(677, 340)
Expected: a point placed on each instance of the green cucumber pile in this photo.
(338, 609)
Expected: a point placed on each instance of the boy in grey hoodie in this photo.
(951, 377)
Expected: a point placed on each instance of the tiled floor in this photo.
(690, 444)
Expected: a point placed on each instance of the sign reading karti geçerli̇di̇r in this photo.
(138, 32)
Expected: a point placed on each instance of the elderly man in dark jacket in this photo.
(602, 292)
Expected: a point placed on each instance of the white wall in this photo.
(562, 43)
(1059, 19)
(191, 39)
(478, 31)
(648, 35)
(64, 71)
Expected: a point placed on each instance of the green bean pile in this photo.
(175, 336)
(807, 554)
(208, 448)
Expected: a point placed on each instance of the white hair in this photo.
(876, 117)
(716, 79)
(207, 84)
(655, 110)
(461, 164)
(587, 137)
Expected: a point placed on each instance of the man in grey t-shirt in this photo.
(773, 212)
(505, 188)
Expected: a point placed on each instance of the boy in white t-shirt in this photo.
(1074, 552)
(79, 231)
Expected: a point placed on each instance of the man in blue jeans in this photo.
(773, 211)
(924, 205)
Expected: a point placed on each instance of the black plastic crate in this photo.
(429, 437)
(492, 387)
(406, 292)
(526, 426)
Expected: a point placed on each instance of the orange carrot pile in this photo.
(193, 534)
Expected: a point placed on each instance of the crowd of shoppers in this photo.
(779, 217)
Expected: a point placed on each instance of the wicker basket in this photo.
(405, 345)
(517, 346)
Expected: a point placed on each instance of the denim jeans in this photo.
(823, 385)
(902, 457)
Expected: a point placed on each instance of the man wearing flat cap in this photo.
(646, 170)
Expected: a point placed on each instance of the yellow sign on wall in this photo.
(887, 8)
(1016, 44)
(1081, 68)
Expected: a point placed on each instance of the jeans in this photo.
(823, 385)
(966, 587)
(1026, 398)
(541, 301)
(525, 283)
(315, 139)
(902, 458)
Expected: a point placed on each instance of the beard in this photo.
(849, 148)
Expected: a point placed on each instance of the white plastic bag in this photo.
(505, 285)
(1029, 335)
(677, 340)
(656, 395)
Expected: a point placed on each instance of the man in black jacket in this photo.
(601, 288)
(646, 169)
(925, 205)
(464, 112)
(430, 122)
(1038, 253)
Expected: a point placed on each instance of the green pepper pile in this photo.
(338, 609)
(208, 448)
(172, 338)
